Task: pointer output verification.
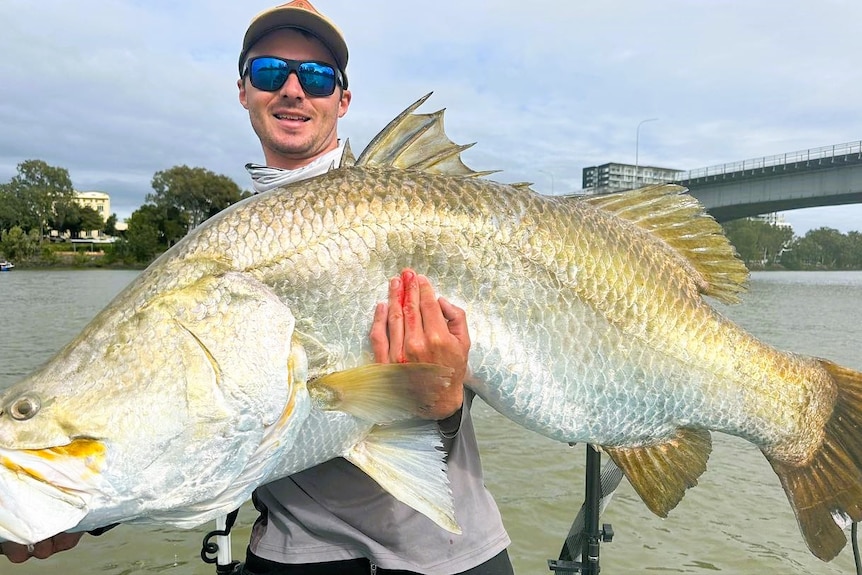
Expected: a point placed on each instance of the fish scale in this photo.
(588, 322)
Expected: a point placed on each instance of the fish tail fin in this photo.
(826, 492)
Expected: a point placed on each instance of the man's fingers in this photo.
(14, 552)
(456, 318)
(379, 336)
(395, 320)
(432, 316)
(65, 541)
(42, 550)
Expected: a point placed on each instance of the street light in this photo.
(637, 145)
(552, 180)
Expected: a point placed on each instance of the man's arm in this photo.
(415, 326)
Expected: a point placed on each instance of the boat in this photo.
(6, 266)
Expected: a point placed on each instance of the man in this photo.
(333, 518)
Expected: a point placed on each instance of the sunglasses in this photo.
(269, 74)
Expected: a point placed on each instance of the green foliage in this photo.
(73, 218)
(41, 197)
(111, 225)
(825, 248)
(18, 245)
(196, 194)
(30, 197)
(758, 243)
(145, 238)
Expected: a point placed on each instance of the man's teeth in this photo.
(285, 117)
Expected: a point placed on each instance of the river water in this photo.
(737, 520)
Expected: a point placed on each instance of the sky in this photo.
(117, 90)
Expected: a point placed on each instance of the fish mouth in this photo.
(46, 491)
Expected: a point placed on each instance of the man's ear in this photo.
(243, 99)
(344, 103)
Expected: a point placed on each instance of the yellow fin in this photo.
(408, 462)
(826, 492)
(678, 218)
(661, 473)
(417, 142)
(382, 392)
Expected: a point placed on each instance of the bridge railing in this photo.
(790, 158)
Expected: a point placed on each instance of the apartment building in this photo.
(616, 177)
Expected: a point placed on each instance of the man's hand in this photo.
(17, 553)
(415, 326)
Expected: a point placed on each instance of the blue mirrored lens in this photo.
(317, 79)
(269, 74)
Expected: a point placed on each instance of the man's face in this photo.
(294, 128)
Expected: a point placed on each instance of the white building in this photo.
(615, 177)
(100, 202)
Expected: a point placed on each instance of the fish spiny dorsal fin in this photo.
(347, 157)
(417, 142)
(678, 218)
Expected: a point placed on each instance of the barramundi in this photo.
(241, 354)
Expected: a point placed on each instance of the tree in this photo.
(10, 213)
(143, 240)
(195, 193)
(111, 226)
(35, 190)
(825, 248)
(16, 244)
(757, 242)
(90, 220)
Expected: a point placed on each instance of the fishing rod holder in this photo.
(590, 537)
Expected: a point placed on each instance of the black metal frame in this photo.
(591, 536)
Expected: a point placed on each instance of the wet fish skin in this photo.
(587, 317)
(186, 393)
(588, 321)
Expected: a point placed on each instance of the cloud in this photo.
(124, 88)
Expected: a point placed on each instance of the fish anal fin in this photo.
(680, 220)
(661, 473)
(407, 460)
(382, 392)
(826, 491)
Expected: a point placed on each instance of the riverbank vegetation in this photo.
(39, 199)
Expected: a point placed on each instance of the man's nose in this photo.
(292, 88)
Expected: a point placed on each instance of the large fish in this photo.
(587, 316)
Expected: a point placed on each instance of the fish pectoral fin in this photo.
(382, 392)
(661, 473)
(407, 460)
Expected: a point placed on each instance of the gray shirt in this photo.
(334, 512)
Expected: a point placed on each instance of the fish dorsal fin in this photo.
(661, 473)
(678, 218)
(347, 157)
(417, 142)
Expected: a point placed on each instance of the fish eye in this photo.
(24, 408)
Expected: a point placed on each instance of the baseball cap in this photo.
(302, 15)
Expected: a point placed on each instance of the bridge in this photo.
(827, 176)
